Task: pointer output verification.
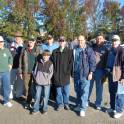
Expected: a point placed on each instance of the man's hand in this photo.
(90, 76)
(10, 67)
(122, 81)
(21, 76)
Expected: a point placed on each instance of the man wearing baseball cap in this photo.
(62, 59)
(116, 76)
(5, 67)
(16, 81)
(26, 63)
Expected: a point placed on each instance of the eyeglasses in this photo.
(61, 41)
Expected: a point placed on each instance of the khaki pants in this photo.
(29, 87)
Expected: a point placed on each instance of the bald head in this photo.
(81, 40)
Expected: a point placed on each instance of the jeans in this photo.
(5, 83)
(76, 88)
(62, 95)
(112, 91)
(119, 103)
(97, 77)
(83, 92)
(17, 83)
(46, 93)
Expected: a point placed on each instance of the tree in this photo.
(111, 14)
(64, 17)
(19, 16)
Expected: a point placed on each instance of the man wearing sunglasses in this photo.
(62, 59)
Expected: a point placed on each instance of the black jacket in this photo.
(62, 64)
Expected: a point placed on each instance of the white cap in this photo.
(115, 38)
(1, 38)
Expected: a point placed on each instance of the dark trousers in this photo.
(112, 91)
(53, 91)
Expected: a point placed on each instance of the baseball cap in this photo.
(115, 38)
(31, 38)
(1, 38)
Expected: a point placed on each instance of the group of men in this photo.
(84, 63)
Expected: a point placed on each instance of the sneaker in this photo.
(59, 108)
(98, 108)
(82, 113)
(8, 104)
(27, 106)
(77, 109)
(109, 110)
(21, 99)
(66, 107)
(44, 112)
(118, 115)
(34, 112)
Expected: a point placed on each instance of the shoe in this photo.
(118, 115)
(77, 109)
(66, 107)
(20, 99)
(110, 110)
(98, 108)
(34, 112)
(8, 104)
(82, 113)
(27, 106)
(44, 112)
(59, 108)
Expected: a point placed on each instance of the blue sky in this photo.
(121, 2)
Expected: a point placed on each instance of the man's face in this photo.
(62, 43)
(31, 43)
(115, 43)
(50, 41)
(99, 40)
(81, 41)
(18, 40)
(1, 44)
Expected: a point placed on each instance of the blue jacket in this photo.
(100, 55)
(111, 58)
(50, 47)
(84, 61)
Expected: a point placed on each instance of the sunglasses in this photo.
(61, 41)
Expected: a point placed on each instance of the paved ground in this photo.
(18, 115)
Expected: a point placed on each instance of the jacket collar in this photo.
(59, 49)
